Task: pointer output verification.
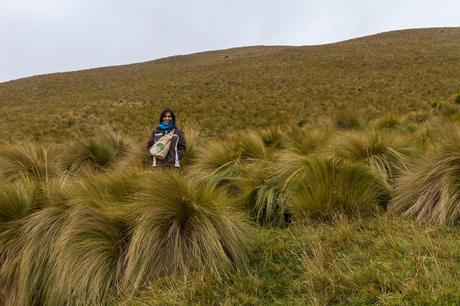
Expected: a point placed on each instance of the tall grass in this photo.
(182, 226)
(215, 163)
(105, 149)
(274, 137)
(27, 256)
(250, 145)
(194, 139)
(387, 153)
(109, 189)
(31, 159)
(430, 191)
(326, 188)
(88, 258)
(218, 162)
(16, 200)
(307, 140)
(262, 193)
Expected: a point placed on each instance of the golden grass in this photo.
(430, 191)
(325, 188)
(31, 159)
(182, 227)
(273, 128)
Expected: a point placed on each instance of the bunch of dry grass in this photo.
(29, 159)
(181, 226)
(307, 140)
(324, 188)
(273, 137)
(108, 189)
(386, 153)
(106, 149)
(215, 163)
(430, 191)
(261, 192)
(27, 256)
(250, 145)
(16, 200)
(88, 258)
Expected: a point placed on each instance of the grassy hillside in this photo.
(399, 71)
(353, 200)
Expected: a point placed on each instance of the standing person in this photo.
(178, 146)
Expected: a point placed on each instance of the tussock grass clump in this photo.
(217, 162)
(261, 192)
(108, 189)
(88, 258)
(250, 145)
(29, 159)
(305, 141)
(107, 148)
(325, 188)
(56, 192)
(182, 226)
(27, 256)
(387, 153)
(16, 200)
(347, 119)
(431, 190)
(389, 121)
(273, 137)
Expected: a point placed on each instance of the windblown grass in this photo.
(109, 189)
(104, 150)
(27, 260)
(215, 163)
(430, 191)
(274, 137)
(182, 227)
(88, 257)
(29, 159)
(325, 188)
(16, 200)
(386, 153)
(262, 193)
(250, 145)
(307, 140)
(65, 239)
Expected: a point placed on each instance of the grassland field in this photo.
(314, 175)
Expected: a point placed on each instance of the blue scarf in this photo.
(166, 127)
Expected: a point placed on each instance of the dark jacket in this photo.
(176, 150)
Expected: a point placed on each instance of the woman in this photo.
(178, 145)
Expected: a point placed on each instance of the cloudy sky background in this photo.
(44, 36)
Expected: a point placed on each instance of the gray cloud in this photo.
(44, 36)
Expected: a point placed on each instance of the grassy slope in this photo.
(383, 260)
(398, 71)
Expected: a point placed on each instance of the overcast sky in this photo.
(44, 36)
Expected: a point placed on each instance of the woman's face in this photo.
(167, 118)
